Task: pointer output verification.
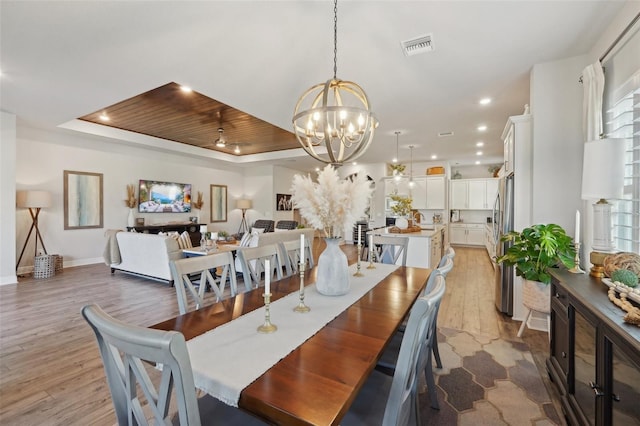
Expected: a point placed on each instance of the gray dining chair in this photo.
(128, 350)
(389, 249)
(252, 264)
(189, 271)
(290, 255)
(401, 391)
(444, 269)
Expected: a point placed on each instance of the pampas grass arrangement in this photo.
(199, 201)
(131, 201)
(331, 204)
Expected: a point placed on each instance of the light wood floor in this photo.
(50, 368)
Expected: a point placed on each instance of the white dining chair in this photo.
(387, 401)
(290, 255)
(189, 271)
(252, 263)
(128, 350)
(389, 249)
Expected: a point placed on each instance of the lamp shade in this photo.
(243, 204)
(603, 169)
(33, 199)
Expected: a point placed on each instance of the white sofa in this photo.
(147, 255)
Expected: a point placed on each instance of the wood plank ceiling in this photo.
(168, 112)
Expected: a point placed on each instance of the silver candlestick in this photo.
(302, 308)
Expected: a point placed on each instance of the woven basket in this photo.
(44, 266)
(58, 263)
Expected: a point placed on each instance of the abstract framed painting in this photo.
(218, 203)
(83, 203)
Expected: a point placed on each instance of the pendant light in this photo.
(411, 182)
(221, 142)
(395, 159)
(397, 175)
(335, 115)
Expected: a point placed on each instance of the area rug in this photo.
(487, 381)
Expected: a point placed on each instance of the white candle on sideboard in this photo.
(577, 238)
(267, 277)
(302, 248)
(359, 234)
(371, 247)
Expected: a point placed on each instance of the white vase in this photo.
(402, 222)
(130, 219)
(536, 296)
(333, 270)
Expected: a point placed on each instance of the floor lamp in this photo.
(602, 179)
(244, 205)
(34, 201)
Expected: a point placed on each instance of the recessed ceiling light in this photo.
(482, 128)
(317, 169)
(477, 162)
(354, 163)
(104, 117)
(479, 144)
(237, 150)
(485, 101)
(186, 89)
(433, 157)
(479, 153)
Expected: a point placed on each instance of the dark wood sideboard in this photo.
(594, 358)
(192, 228)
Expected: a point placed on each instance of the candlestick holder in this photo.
(301, 308)
(267, 327)
(371, 254)
(576, 268)
(358, 273)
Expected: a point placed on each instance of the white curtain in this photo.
(593, 86)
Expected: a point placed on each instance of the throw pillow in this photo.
(244, 242)
(258, 230)
(186, 240)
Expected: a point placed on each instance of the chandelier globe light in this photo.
(335, 115)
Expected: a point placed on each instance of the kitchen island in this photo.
(425, 247)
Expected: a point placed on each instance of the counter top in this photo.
(424, 233)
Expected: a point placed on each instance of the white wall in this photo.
(556, 105)
(258, 184)
(8, 199)
(42, 156)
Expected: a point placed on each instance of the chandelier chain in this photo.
(335, 39)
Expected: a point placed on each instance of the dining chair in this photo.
(290, 255)
(252, 261)
(443, 270)
(185, 270)
(401, 390)
(389, 249)
(128, 350)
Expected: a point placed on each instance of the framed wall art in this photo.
(82, 200)
(218, 203)
(283, 202)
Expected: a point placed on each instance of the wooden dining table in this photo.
(317, 382)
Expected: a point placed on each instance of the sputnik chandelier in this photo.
(335, 115)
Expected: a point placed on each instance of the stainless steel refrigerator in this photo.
(502, 224)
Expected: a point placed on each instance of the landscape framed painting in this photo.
(83, 203)
(218, 203)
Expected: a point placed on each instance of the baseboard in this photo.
(9, 279)
(28, 270)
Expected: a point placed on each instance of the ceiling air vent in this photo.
(445, 134)
(417, 45)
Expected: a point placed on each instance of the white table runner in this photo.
(229, 358)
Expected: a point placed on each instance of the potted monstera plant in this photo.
(536, 249)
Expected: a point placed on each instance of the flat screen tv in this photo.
(164, 197)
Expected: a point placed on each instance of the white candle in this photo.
(267, 276)
(302, 248)
(359, 233)
(577, 239)
(203, 229)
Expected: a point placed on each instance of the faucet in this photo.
(418, 215)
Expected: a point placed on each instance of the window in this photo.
(622, 120)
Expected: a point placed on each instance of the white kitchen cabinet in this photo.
(458, 196)
(509, 141)
(473, 194)
(435, 193)
(418, 193)
(466, 233)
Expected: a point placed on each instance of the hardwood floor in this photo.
(50, 369)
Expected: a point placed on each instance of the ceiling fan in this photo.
(221, 142)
